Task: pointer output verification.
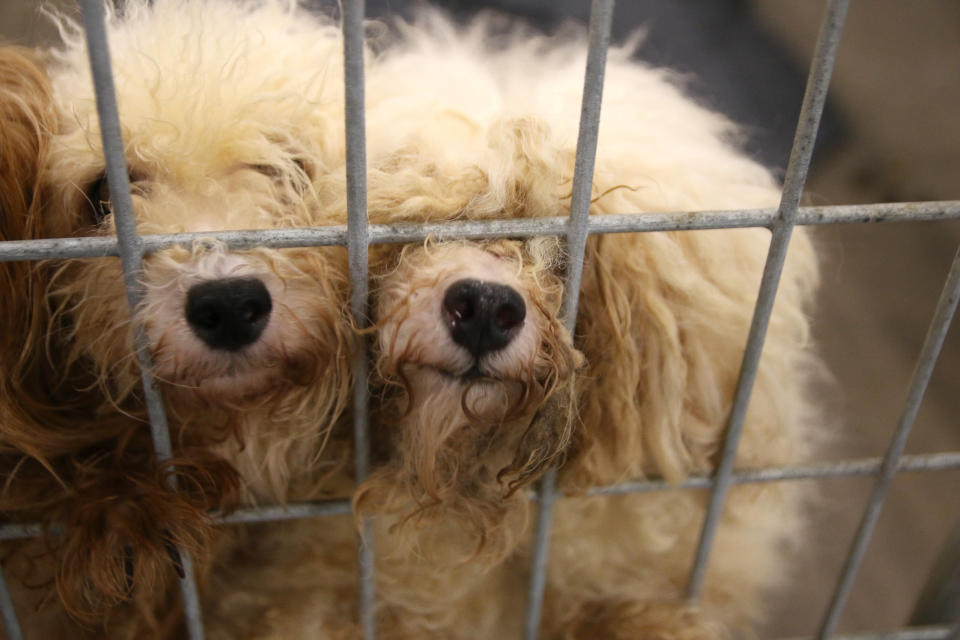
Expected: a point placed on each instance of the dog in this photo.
(232, 119)
(482, 390)
(462, 125)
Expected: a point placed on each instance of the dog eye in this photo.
(98, 198)
(304, 168)
(275, 173)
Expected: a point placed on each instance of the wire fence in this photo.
(357, 235)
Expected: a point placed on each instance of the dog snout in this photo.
(228, 314)
(483, 316)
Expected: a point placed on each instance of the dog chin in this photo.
(239, 387)
(237, 384)
(486, 392)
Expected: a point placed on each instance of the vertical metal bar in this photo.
(357, 246)
(800, 154)
(601, 18)
(131, 256)
(10, 622)
(939, 326)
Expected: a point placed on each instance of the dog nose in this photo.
(228, 314)
(483, 316)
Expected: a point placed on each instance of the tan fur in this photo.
(249, 427)
(662, 325)
(459, 129)
(462, 450)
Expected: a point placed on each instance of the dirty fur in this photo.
(485, 127)
(470, 124)
(214, 140)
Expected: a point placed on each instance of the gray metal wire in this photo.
(841, 469)
(913, 633)
(358, 246)
(944, 461)
(22, 250)
(939, 326)
(131, 254)
(10, 622)
(293, 511)
(813, 101)
(601, 18)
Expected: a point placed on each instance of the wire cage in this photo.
(938, 607)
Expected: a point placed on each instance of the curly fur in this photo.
(462, 448)
(462, 124)
(480, 131)
(214, 140)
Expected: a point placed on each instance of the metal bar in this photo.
(358, 240)
(910, 633)
(17, 530)
(840, 469)
(130, 250)
(939, 326)
(601, 18)
(10, 622)
(813, 101)
(939, 601)
(20, 250)
(294, 511)
(945, 461)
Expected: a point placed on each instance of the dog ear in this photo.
(27, 114)
(544, 443)
(67, 458)
(26, 123)
(663, 324)
(635, 395)
(125, 528)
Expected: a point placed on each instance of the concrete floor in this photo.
(897, 88)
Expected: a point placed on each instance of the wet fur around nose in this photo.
(465, 444)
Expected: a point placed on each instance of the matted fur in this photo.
(229, 112)
(479, 131)
(467, 125)
(459, 449)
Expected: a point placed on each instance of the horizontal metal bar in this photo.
(294, 511)
(839, 469)
(20, 250)
(17, 531)
(940, 632)
(945, 461)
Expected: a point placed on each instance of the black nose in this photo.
(483, 316)
(228, 314)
